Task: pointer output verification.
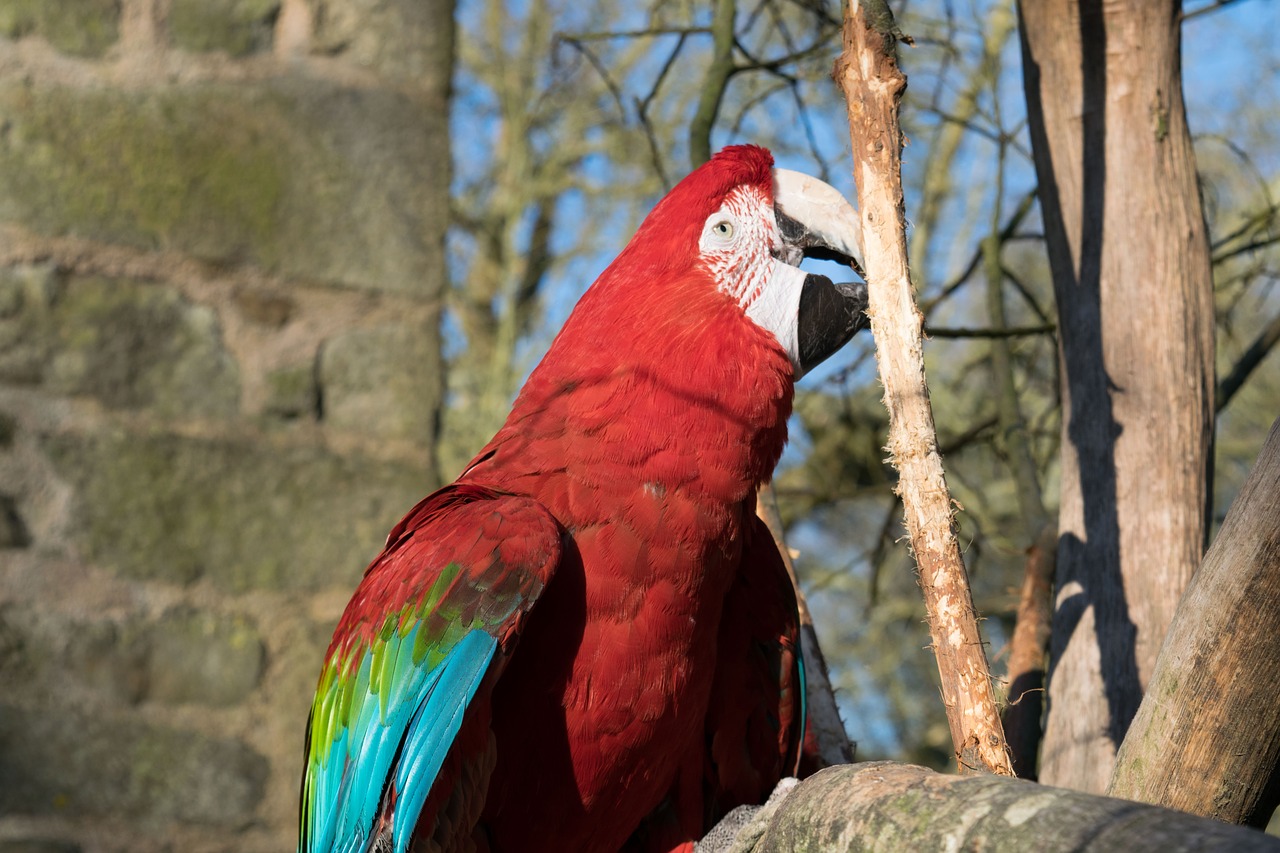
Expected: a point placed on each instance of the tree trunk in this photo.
(1206, 738)
(1130, 262)
(886, 806)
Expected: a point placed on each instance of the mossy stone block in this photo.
(8, 429)
(109, 658)
(58, 761)
(244, 515)
(292, 392)
(46, 651)
(13, 530)
(27, 296)
(396, 38)
(78, 27)
(131, 345)
(203, 658)
(39, 845)
(137, 345)
(383, 382)
(236, 27)
(297, 176)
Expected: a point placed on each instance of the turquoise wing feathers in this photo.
(436, 614)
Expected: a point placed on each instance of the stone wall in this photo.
(221, 265)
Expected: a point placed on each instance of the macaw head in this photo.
(748, 226)
(701, 325)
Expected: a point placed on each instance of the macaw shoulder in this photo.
(487, 552)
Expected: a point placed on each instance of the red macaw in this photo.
(588, 641)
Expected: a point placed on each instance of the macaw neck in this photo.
(685, 391)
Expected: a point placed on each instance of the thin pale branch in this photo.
(872, 83)
(652, 32)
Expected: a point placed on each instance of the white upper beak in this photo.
(828, 220)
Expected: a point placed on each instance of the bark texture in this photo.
(868, 74)
(892, 807)
(1130, 263)
(1206, 738)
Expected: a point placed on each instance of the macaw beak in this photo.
(816, 221)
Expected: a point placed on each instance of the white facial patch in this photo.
(777, 308)
(737, 244)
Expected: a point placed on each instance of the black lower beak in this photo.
(830, 314)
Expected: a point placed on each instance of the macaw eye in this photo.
(723, 229)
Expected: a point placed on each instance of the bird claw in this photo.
(741, 828)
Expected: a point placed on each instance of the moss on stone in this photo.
(38, 845)
(78, 27)
(237, 27)
(26, 321)
(292, 392)
(294, 175)
(56, 760)
(110, 658)
(154, 171)
(242, 515)
(131, 345)
(203, 658)
(135, 345)
(383, 382)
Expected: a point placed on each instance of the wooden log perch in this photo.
(886, 806)
(868, 73)
(1206, 738)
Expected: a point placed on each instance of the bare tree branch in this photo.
(1015, 219)
(1214, 6)
(1245, 248)
(631, 34)
(1253, 356)
(1206, 738)
(1007, 332)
